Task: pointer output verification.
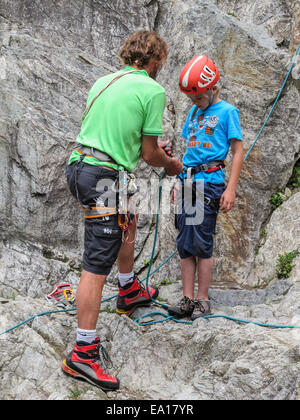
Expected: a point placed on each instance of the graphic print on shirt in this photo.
(211, 124)
(221, 119)
(200, 123)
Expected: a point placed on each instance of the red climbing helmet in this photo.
(198, 75)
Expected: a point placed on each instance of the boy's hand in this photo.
(227, 200)
(175, 190)
(166, 146)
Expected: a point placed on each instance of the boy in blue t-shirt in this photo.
(211, 128)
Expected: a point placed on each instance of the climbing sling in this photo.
(102, 90)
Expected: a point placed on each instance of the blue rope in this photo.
(164, 316)
(36, 316)
(274, 105)
(231, 318)
(156, 230)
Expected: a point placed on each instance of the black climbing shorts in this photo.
(102, 235)
(197, 239)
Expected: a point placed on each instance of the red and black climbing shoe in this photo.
(90, 362)
(133, 295)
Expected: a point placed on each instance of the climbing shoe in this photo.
(184, 308)
(90, 362)
(201, 308)
(133, 295)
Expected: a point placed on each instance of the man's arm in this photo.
(155, 156)
(228, 197)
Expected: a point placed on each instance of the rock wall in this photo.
(253, 68)
(50, 55)
(46, 74)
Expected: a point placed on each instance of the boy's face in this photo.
(203, 100)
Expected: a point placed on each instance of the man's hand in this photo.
(174, 167)
(157, 157)
(166, 146)
(227, 200)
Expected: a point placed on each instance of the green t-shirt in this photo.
(132, 106)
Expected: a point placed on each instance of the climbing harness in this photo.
(121, 191)
(95, 153)
(189, 172)
(126, 182)
(187, 181)
(164, 316)
(127, 189)
(211, 166)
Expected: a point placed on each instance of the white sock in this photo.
(88, 336)
(125, 278)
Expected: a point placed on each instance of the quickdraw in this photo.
(125, 221)
(62, 295)
(127, 189)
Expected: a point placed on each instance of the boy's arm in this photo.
(228, 197)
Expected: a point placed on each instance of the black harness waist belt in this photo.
(212, 166)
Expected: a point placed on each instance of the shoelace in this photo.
(198, 305)
(140, 283)
(103, 356)
(186, 304)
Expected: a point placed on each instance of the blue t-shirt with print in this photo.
(208, 134)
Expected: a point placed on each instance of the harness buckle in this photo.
(204, 167)
(207, 200)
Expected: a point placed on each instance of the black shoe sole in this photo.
(194, 317)
(177, 313)
(128, 310)
(79, 376)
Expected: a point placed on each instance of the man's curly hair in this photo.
(143, 46)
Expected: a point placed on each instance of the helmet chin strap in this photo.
(211, 99)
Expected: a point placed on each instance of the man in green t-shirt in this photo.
(121, 123)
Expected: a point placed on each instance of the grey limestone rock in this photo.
(50, 55)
